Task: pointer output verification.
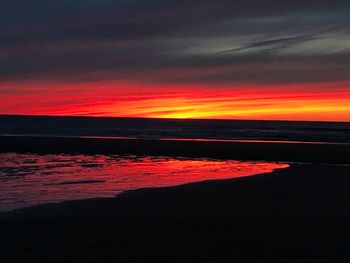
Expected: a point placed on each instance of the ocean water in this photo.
(176, 129)
(32, 179)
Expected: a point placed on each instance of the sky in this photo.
(242, 59)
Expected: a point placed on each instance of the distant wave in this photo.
(122, 128)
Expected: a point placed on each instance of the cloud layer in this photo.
(175, 41)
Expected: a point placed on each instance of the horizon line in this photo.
(171, 119)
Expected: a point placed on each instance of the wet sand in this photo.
(298, 214)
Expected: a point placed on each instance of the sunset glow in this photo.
(326, 102)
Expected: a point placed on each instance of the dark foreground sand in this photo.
(298, 214)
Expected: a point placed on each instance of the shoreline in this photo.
(293, 183)
(299, 213)
(134, 191)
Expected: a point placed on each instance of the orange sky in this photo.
(317, 102)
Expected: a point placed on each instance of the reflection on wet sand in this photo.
(29, 179)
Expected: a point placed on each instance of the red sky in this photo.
(324, 102)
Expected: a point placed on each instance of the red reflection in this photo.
(27, 179)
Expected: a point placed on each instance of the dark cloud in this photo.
(269, 44)
(175, 41)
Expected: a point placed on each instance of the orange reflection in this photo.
(29, 179)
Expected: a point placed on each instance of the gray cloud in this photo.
(182, 41)
(270, 44)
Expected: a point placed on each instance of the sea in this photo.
(28, 179)
(336, 132)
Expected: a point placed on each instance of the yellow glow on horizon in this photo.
(311, 102)
(312, 108)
